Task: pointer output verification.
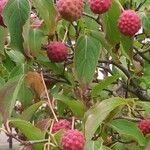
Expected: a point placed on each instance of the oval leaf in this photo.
(15, 15)
(86, 57)
(97, 114)
(30, 131)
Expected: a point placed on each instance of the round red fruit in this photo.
(73, 140)
(70, 10)
(129, 23)
(57, 52)
(100, 6)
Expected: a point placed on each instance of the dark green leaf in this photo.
(129, 129)
(15, 15)
(86, 57)
(103, 84)
(76, 106)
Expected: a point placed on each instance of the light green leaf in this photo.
(29, 112)
(145, 16)
(16, 56)
(129, 129)
(15, 14)
(77, 107)
(30, 131)
(87, 53)
(98, 113)
(3, 33)
(110, 20)
(103, 84)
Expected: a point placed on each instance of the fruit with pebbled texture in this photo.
(61, 124)
(144, 126)
(73, 140)
(129, 23)
(100, 6)
(70, 10)
(57, 52)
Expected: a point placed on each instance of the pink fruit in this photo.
(144, 126)
(70, 10)
(2, 5)
(57, 52)
(100, 6)
(73, 140)
(61, 124)
(129, 23)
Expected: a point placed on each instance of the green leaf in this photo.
(16, 56)
(86, 57)
(127, 46)
(110, 20)
(25, 96)
(98, 113)
(48, 13)
(129, 129)
(30, 131)
(3, 33)
(146, 75)
(145, 16)
(35, 41)
(17, 71)
(28, 113)
(93, 145)
(77, 107)
(15, 14)
(8, 95)
(103, 84)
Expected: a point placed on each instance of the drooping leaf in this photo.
(130, 129)
(76, 106)
(103, 84)
(29, 112)
(30, 131)
(86, 57)
(98, 113)
(8, 95)
(15, 15)
(110, 20)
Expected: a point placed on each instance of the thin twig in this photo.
(47, 95)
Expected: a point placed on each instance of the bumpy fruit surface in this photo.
(144, 126)
(73, 140)
(129, 23)
(100, 6)
(2, 5)
(57, 52)
(70, 10)
(61, 124)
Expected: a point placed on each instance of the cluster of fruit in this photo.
(72, 138)
(129, 22)
(75, 140)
